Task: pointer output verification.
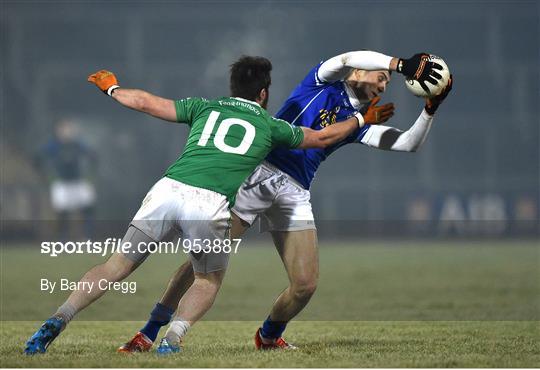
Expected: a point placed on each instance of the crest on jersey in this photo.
(328, 117)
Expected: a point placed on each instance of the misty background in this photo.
(480, 161)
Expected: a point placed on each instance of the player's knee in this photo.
(119, 272)
(183, 274)
(123, 273)
(119, 267)
(304, 288)
(209, 281)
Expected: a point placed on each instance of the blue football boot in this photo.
(165, 348)
(42, 338)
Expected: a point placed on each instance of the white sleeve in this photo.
(337, 68)
(390, 138)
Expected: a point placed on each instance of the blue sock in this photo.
(160, 316)
(273, 329)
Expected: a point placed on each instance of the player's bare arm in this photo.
(329, 135)
(375, 115)
(135, 99)
(391, 138)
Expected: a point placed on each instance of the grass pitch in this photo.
(321, 344)
(377, 305)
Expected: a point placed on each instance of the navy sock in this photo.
(160, 316)
(273, 329)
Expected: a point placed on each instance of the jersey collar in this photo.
(246, 101)
(352, 96)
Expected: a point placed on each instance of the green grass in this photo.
(322, 344)
(377, 305)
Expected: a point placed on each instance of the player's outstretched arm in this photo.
(417, 67)
(390, 138)
(138, 100)
(338, 67)
(375, 114)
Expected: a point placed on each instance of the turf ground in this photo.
(378, 305)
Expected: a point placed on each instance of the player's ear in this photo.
(353, 75)
(263, 94)
(263, 97)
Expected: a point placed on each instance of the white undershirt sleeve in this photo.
(389, 138)
(336, 68)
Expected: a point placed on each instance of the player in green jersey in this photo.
(229, 137)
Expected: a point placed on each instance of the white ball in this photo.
(416, 89)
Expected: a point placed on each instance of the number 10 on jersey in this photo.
(223, 130)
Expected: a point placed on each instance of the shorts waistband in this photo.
(276, 170)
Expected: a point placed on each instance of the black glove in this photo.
(418, 67)
(433, 103)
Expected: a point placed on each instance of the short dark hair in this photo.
(249, 75)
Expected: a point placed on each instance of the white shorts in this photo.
(69, 196)
(280, 201)
(172, 208)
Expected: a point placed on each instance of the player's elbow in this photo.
(405, 143)
(403, 148)
(414, 147)
(145, 103)
(411, 148)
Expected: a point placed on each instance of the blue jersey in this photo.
(314, 104)
(67, 161)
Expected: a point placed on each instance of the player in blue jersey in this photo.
(278, 190)
(69, 164)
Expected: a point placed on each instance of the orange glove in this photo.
(105, 81)
(378, 114)
(433, 103)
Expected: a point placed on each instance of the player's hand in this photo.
(433, 103)
(418, 67)
(106, 81)
(377, 114)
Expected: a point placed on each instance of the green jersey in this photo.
(229, 137)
